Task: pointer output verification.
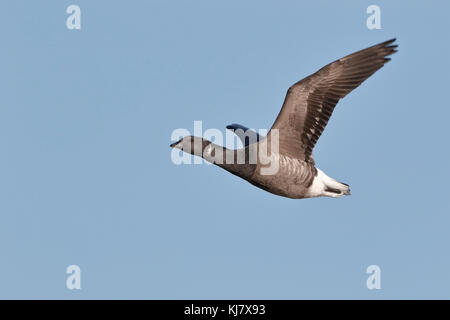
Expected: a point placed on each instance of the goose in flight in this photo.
(289, 144)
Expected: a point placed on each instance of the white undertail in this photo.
(324, 186)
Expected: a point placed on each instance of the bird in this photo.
(287, 167)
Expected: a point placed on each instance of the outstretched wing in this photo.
(310, 102)
(246, 135)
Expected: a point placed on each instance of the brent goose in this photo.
(289, 144)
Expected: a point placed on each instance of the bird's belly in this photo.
(293, 179)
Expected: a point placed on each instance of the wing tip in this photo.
(387, 42)
(233, 126)
(388, 48)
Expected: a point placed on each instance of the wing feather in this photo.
(310, 102)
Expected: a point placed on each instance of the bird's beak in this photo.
(173, 144)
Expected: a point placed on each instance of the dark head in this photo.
(192, 145)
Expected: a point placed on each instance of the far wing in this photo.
(246, 135)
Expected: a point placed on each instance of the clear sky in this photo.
(86, 176)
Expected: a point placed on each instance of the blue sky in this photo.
(86, 176)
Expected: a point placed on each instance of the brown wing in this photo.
(310, 102)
